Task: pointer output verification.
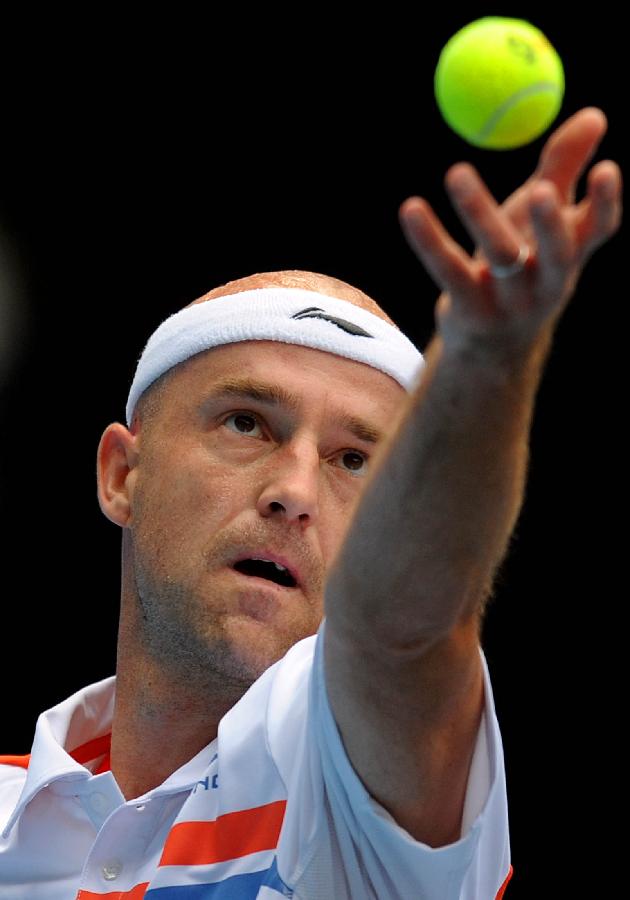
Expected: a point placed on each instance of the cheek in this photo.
(332, 545)
(334, 523)
(198, 495)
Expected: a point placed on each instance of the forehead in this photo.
(313, 376)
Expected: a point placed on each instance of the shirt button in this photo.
(112, 869)
(140, 807)
(99, 802)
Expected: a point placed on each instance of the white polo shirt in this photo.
(271, 808)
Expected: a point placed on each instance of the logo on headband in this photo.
(314, 312)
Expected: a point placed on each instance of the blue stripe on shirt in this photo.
(236, 887)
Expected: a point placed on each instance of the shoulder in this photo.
(13, 771)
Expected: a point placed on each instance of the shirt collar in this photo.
(78, 722)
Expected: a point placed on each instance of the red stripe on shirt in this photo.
(136, 893)
(91, 749)
(83, 754)
(105, 766)
(228, 837)
(505, 884)
(21, 761)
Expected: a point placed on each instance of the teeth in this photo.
(277, 565)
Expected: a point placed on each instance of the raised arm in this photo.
(405, 600)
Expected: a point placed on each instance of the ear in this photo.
(116, 459)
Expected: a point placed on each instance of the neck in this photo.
(162, 717)
(156, 729)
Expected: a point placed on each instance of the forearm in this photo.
(435, 519)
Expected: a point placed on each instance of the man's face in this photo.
(225, 475)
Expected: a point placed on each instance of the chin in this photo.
(255, 646)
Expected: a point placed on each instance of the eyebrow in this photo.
(275, 395)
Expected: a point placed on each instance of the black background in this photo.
(145, 162)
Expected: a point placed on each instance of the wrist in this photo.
(506, 354)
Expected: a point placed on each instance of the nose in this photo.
(291, 490)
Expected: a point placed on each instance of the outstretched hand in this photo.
(540, 217)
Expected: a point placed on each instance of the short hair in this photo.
(300, 278)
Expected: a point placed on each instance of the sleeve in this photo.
(337, 841)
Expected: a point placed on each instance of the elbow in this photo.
(403, 633)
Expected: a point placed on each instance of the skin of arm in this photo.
(404, 601)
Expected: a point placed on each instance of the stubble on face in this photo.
(188, 621)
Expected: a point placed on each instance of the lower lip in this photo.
(259, 598)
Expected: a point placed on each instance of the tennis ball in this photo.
(499, 83)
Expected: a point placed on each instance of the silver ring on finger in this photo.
(513, 268)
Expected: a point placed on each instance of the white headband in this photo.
(289, 315)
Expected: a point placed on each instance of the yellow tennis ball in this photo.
(499, 83)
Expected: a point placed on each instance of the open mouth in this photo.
(263, 568)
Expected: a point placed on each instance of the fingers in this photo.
(598, 215)
(447, 263)
(556, 248)
(567, 237)
(563, 236)
(491, 230)
(570, 148)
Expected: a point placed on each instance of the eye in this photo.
(354, 462)
(244, 423)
